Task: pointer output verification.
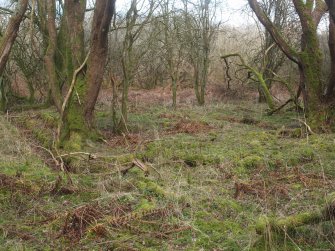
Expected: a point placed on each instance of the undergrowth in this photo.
(198, 178)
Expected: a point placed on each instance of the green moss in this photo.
(150, 188)
(213, 233)
(42, 134)
(307, 154)
(145, 205)
(74, 143)
(49, 117)
(252, 162)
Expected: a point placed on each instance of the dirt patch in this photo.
(131, 141)
(190, 127)
(169, 116)
(248, 121)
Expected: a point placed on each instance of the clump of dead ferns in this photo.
(102, 221)
(278, 183)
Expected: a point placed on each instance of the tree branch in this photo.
(277, 37)
(68, 95)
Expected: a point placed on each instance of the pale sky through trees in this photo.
(231, 10)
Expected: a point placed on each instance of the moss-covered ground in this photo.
(198, 178)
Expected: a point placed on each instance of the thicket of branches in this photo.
(62, 53)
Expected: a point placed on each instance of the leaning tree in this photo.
(8, 39)
(309, 58)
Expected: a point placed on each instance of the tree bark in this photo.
(310, 57)
(49, 58)
(331, 7)
(103, 14)
(331, 42)
(11, 33)
(70, 55)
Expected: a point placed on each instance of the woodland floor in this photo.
(201, 179)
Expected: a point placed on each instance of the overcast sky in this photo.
(230, 10)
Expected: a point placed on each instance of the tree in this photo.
(103, 14)
(331, 43)
(6, 44)
(132, 53)
(172, 46)
(198, 38)
(271, 56)
(67, 69)
(331, 7)
(10, 35)
(308, 59)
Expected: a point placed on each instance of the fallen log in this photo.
(289, 223)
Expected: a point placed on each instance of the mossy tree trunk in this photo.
(49, 58)
(200, 75)
(12, 29)
(310, 62)
(309, 59)
(6, 44)
(71, 54)
(262, 84)
(128, 69)
(174, 93)
(129, 62)
(65, 55)
(283, 225)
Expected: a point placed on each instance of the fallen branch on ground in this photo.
(139, 164)
(291, 222)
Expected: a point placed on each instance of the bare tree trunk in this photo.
(11, 33)
(130, 60)
(331, 7)
(103, 14)
(331, 42)
(49, 58)
(174, 93)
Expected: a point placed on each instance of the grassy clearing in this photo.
(212, 173)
